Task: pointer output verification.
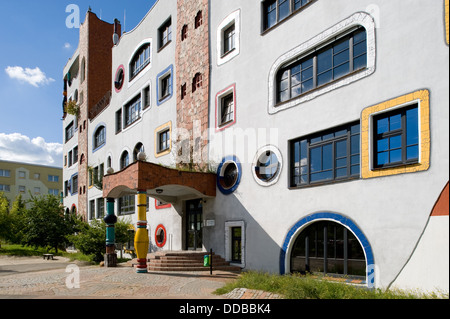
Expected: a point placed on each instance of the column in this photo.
(110, 219)
(141, 240)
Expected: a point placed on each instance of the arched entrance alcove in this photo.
(328, 243)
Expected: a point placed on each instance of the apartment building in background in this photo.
(286, 135)
(29, 180)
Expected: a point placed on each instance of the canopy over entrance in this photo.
(163, 183)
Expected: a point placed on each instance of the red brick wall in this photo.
(95, 46)
(192, 57)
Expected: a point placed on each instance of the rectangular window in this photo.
(164, 141)
(37, 176)
(22, 175)
(165, 33)
(22, 189)
(53, 178)
(74, 188)
(227, 109)
(5, 188)
(274, 11)
(70, 131)
(53, 192)
(75, 154)
(229, 39)
(100, 207)
(340, 58)
(70, 155)
(146, 97)
(5, 173)
(133, 111)
(126, 205)
(118, 121)
(91, 209)
(396, 137)
(329, 156)
(66, 188)
(165, 85)
(37, 190)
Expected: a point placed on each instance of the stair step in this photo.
(185, 261)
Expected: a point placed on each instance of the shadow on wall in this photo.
(259, 250)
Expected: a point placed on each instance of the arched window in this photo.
(184, 31)
(197, 82)
(139, 148)
(83, 70)
(124, 160)
(99, 137)
(140, 60)
(328, 247)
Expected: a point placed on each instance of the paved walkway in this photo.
(35, 278)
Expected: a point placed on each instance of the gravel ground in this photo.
(32, 278)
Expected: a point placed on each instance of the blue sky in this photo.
(34, 47)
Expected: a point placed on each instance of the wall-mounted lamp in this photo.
(159, 191)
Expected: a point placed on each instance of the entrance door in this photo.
(194, 220)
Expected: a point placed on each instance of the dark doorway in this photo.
(194, 220)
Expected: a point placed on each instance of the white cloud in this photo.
(20, 148)
(35, 76)
(67, 46)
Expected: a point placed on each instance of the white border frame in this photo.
(357, 19)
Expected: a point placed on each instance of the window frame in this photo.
(166, 74)
(356, 20)
(402, 132)
(163, 39)
(313, 61)
(296, 165)
(132, 111)
(99, 131)
(139, 61)
(223, 56)
(167, 127)
(126, 205)
(220, 97)
(291, 11)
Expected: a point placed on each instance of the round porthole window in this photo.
(160, 236)
(228, 175)
(267, 165)
(119, 79)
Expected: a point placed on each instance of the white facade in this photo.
(387, 209)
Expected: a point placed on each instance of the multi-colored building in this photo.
(29, 180)
(287, 136)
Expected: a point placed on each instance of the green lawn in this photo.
(308, 287)
(24, 251)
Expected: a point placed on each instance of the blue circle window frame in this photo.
(228, 160)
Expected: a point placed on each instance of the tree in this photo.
(4, 217)
(16, 220)
(45, 224)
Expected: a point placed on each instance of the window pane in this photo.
(383, 145)
(316, 159)
(341, 148)
(341, 70)
(303, 153)
(307, 74)
(412, 127)
(354, 170)
(395, 156)
(355, 159)
(307, 85)
(342, 162)
(395, 122)
(382, 158)
(271, 14)
(395, 142)
(283, 9)
(327, 161)
(354, 144)
(324, 78)
(341, 172)
(412, 152)
(324, 61)
(382, 125)
(360, 62)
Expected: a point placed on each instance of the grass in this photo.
(308, 287)
(25, 251)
